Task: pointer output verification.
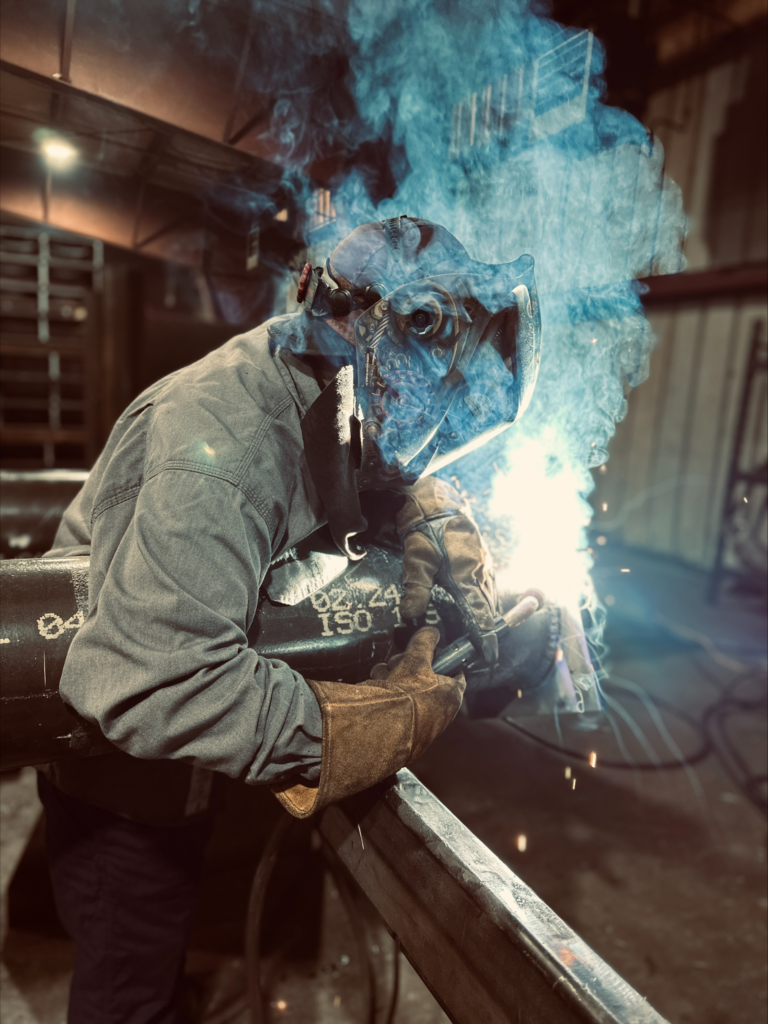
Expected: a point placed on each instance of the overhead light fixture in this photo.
(57, 152)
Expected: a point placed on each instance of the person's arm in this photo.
(162, 663)
(73, 535)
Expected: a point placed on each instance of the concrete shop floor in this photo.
(662, 872)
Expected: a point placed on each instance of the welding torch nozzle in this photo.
(462, 651)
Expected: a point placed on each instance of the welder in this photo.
(405, 354)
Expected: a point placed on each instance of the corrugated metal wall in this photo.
(712, 130)
(663, 484)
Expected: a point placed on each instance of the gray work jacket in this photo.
(204, 481)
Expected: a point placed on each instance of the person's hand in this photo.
(374, 729)
(436, 699)
(443, 545)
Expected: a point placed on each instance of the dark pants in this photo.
(126, 893)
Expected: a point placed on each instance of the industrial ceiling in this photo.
(190, 116)
(166, 110)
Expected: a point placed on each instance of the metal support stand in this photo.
(744, 483)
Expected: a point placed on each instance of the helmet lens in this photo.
(446, 362)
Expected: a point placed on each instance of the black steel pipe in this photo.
(327, 618)
(31, 506)
(42, 604)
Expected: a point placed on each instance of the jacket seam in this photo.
(259, 437)
(193, 467)
(230, 478)
(115, 499)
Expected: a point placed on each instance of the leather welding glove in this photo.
(443, 545)
(373, 729)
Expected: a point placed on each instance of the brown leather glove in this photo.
(443, 545)
(375, 728)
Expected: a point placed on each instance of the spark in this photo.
(208, 450)
(594, 341)
(626, 570)
(605, 506)
(280, 1004)
(603, 469)
(361, 835)
(568, 772)
(567, 957)
(559, 655)
(519, 693)
(602, 541)
(5, 640)
(521, 842)
(593, 759)
(573, 785)
(610, 600)
(746, 501)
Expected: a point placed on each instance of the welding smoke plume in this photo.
(496, 129)
(502, 135)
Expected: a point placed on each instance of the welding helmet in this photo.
(447, 349)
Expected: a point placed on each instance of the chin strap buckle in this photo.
(306, 273)
(320, 300)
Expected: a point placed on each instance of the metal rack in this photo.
(741, 549)
(48, 285)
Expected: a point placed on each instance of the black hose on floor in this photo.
(358, 928)
(701, 754)
(395, 985)
(254, 921)
(255, 913)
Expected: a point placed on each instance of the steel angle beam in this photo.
(488, 948)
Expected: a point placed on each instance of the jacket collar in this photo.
(330, 432)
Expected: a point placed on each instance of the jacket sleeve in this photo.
(73, 536)
(162, 662)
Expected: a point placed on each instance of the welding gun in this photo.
(326, 617)
(462, 652)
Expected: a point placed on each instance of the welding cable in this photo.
(681, 632)
(712, 732)
(686, 761)
(255, 916)
(714, 722)
(255, 913)
(395, 983)
(338, 872)
(232, 1013)
(734, 766)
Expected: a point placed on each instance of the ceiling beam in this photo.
(67, 40)
(262, 168)
(103, 206)
(719, 50)
(239, 77)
